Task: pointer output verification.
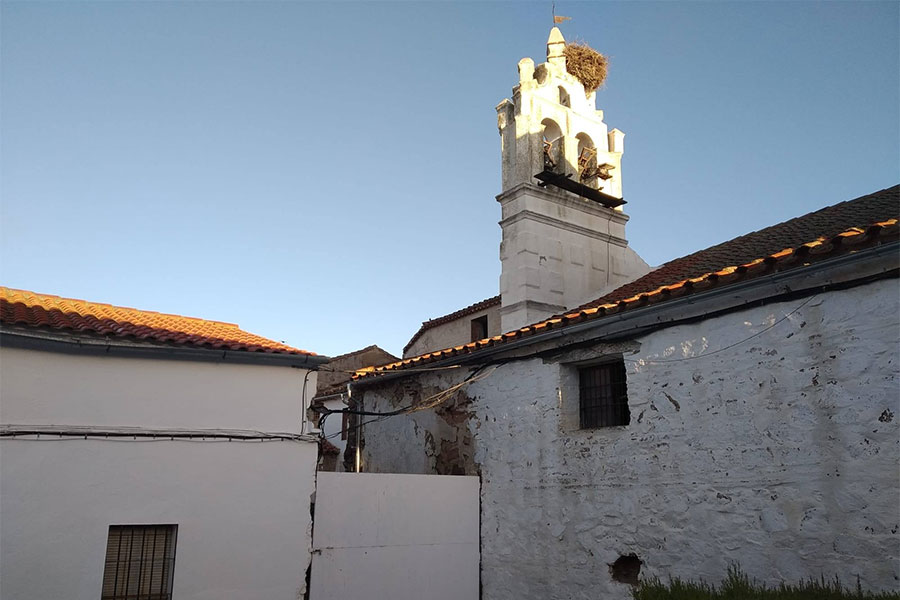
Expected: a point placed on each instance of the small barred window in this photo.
(603, 395)
(140, 560)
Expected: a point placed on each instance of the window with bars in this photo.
(140, 560)
(603, 395)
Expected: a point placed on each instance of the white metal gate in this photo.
(395, 537)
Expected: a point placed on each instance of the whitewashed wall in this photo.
(53, 388)
(242, 508)
(395, 537)
(780, 453)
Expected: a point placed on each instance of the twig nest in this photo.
(587, 65)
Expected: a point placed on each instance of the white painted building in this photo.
(150, 454)
(735, 405)
(395, 537)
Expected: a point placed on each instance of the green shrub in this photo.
(737, 586)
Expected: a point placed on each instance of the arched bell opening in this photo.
(587, 161)
(553, 146)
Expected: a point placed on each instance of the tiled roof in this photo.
(471, 309)
(27, 309)
(824, 223)
(832, 231)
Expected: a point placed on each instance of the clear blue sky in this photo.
(324, 174)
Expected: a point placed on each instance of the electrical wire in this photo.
(114, 433)
(429, 402)
(441, 396)
(408, 370)
(141, 434)
(139, 440)
(730, 346)
(326, 412)
(355, 427)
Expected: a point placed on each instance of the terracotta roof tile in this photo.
(471, 309)
(829, 231)
(775, 241)
(28, 309)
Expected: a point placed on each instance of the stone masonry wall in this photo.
(454, 333)
(779, 453)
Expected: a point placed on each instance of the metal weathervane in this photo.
(557, 20)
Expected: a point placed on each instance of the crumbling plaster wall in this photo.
(433, 441)
(779, 453)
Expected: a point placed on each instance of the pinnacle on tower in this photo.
(556, 48)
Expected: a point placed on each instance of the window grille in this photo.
(603, 396)
(140, 560)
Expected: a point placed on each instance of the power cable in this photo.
(730, 346)
(120, 433)
(436, 399)
(408, 370)
(429, 402)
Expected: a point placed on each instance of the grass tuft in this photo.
(738, 586)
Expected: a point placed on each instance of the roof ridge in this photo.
(486, 302)
(360, 351)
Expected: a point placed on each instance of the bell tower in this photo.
(562, 220)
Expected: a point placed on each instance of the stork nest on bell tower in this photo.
(587, 65)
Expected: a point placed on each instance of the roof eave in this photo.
(35, 339)
(843, 271)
